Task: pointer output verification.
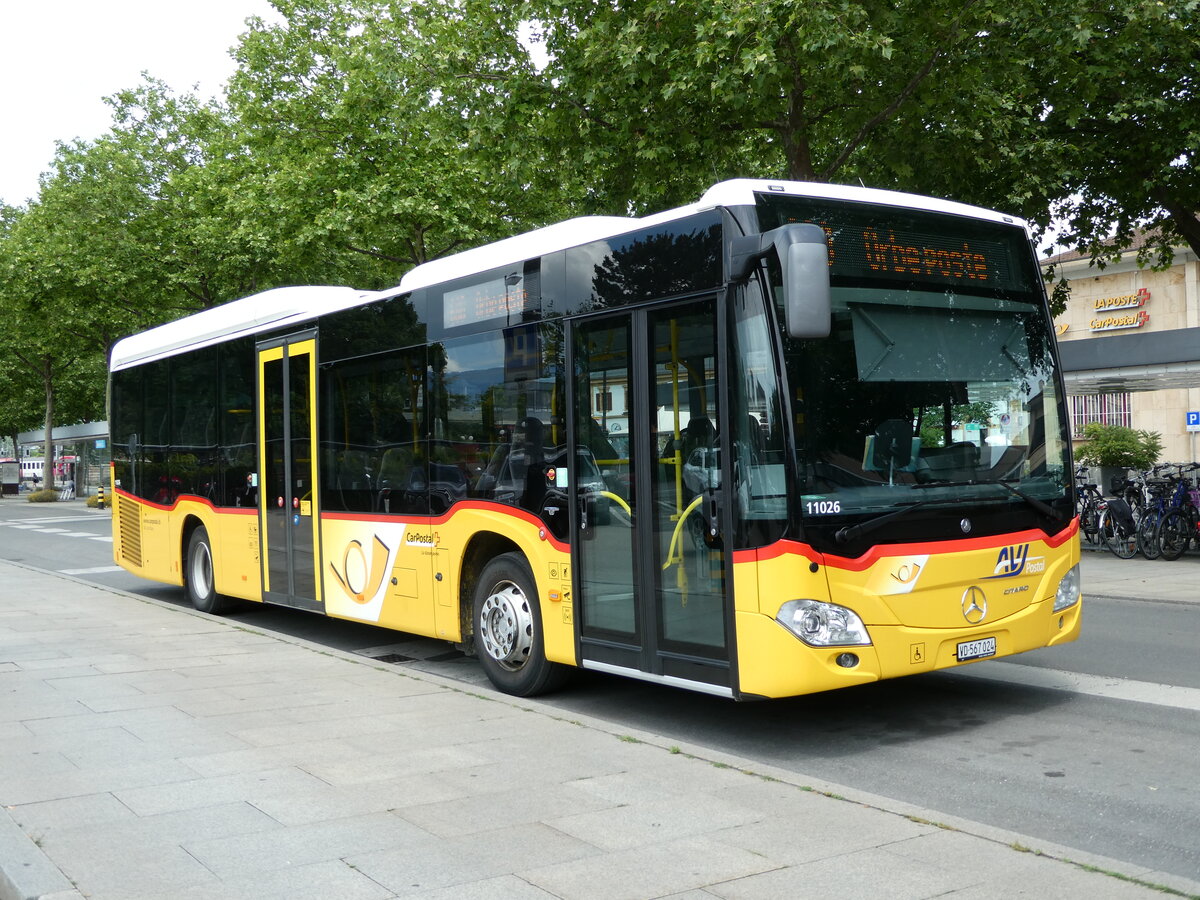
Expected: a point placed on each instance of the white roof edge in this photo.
(518, 248)
(280, 307)
(284, 306)
(741, 191)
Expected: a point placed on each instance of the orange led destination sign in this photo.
(920, 256)
(919, 247)
(886, 253)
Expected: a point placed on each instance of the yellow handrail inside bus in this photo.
(620, 501)
(673, 556)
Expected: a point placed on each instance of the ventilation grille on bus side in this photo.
(131, 531)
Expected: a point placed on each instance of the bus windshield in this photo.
(937, 385)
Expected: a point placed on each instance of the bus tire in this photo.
(198, 574)
(508, 629)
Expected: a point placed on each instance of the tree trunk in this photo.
(48, 454)
(1183, 217)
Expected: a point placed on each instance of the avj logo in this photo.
(1010, 561)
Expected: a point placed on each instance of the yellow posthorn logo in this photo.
(358, 581)
(907, 573)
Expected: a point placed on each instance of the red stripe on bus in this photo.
(868, 559)
(192, 498)
(480, 505)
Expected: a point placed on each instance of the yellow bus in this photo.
(791, 437)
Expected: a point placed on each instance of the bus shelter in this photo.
(81, 454)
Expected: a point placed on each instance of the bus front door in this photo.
(648, 558)
(287, 491)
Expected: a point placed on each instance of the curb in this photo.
(26, 873)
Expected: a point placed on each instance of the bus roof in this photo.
(286, 306)
(276, 308)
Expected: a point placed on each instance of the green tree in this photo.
(369, 148)
(1087, 112)
(667, 96)
(1124, 107)
(146, 220)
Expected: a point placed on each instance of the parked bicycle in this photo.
(1180, 525)
(1118, 530)
(1089, 505)
(1152, 515)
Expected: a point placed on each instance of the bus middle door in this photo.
(287, 490)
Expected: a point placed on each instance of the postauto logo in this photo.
(1014, 561)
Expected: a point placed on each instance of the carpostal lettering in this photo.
(421, 539)
(1112, 323)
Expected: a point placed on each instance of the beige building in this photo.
(1130, 348)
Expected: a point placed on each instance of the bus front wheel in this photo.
(508, 629)
(198, 574)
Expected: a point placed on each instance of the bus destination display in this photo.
(911, 245)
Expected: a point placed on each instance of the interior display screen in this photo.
(501, 298)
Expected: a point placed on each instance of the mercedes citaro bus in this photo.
(789, 438)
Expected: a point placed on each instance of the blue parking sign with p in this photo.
(1193, 421)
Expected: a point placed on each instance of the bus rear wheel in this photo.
(198, 577)
(508, 629)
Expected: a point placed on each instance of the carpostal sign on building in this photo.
(1136, 318)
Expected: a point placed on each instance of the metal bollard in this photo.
(100, 497)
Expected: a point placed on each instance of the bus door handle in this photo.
(712, 513)
(582, 501)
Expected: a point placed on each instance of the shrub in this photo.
(1119, 447)
(43, 496)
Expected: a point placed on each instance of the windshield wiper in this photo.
(1040, 505)
(847, 533)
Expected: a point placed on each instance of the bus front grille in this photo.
(130, 514)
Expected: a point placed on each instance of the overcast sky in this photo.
(60, 58)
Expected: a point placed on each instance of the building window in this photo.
(1107, 409)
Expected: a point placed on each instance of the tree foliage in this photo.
(373, 148)
(358, 138)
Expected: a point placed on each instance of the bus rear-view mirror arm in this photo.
(803, 255)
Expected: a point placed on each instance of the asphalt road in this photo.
(1049, 745)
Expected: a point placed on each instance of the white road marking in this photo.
(95, 570)
(1106, 686)
(49, 520)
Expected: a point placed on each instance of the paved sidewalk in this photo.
(1177, 581)
(150, 751)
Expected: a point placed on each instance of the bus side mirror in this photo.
(803, 254)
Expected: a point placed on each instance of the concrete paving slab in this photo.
(244, 855)
(86, 811)
(652, 871)
(437, 864)
(318, 881)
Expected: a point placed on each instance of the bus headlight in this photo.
(822, 624)
(1067, 594)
